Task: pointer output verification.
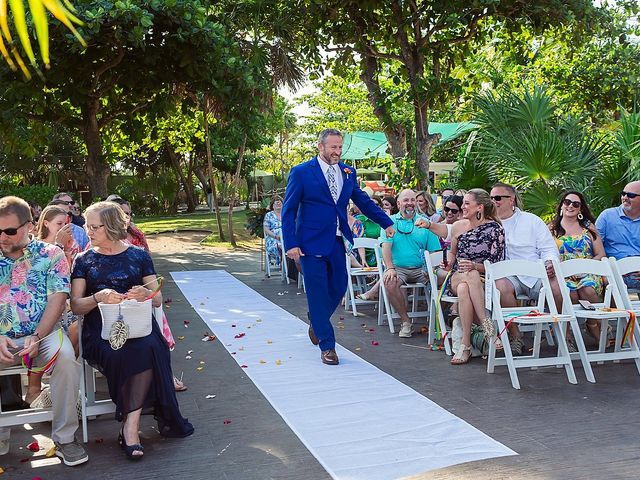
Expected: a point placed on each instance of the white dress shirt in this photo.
(338, 175)
(528, 238)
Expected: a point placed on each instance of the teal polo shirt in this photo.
(410, 242)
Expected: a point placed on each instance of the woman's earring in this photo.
(560, 212)
(580, 216)
(478, 216)
(513, 208)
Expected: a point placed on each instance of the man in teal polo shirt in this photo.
(403, 255)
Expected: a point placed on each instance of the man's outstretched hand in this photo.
(295, 254)
(390, 232)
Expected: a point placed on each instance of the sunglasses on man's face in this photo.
(498, 198)
(629, 195)
(452, 211)
(566, 202)
(12, 232)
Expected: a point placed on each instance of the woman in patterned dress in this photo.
(576, 235)
(479, 236)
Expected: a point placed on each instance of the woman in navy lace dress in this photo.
(479, 236)
(138, 374)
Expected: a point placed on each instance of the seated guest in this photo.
(371, 230)
(403, 255)
(53, 229)
(444, 194)
(389, 205)
(527, 238)
(474, 239)
(34, 286)
(76, 215)
(357, 229)
(272, 227)
(620, 230)
(577, 237)
(138, 374)
(64, 201)
(425, 204)
(135, 236)
(36, 210)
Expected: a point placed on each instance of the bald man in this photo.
(620, 229)
(403, 255)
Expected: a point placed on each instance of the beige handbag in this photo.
(124, 320)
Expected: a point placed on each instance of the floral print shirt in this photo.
(26, 283)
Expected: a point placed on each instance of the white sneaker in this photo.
(4, 447)
(406, 331)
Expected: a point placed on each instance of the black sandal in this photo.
(130, 449)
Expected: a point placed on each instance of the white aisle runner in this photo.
(359, 422)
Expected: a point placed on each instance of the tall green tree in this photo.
(420, 42)
(139, 54)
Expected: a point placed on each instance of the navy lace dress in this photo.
(139, 374)
(485, 242)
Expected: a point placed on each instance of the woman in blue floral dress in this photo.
(576, 235)
(273, 230)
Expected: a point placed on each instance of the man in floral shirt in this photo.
(34, 286)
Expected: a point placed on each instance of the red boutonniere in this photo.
(347, 170)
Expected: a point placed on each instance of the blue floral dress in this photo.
(138, 374)
(273, 223)
(579, 246)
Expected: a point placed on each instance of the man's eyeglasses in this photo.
(404, 229)
(452, 211)
(566, 202)
(93, 228)
(11, 232)
(69, 202)
(629, 195)
(497, 198)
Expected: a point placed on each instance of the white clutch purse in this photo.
(124, 320)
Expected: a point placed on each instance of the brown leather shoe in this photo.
(329, 357)
(312, 337)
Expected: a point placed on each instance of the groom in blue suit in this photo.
(315, 231)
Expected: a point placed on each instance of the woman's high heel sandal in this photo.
(130, 449)
(463, 356)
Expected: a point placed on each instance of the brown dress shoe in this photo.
(312, 337)
(329, 357)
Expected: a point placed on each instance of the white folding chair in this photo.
(604, 312)
(624, 267)
(28, 415)
(359, 275)
(283, 262)
(432, 260)
(416, 292)
(525, 316)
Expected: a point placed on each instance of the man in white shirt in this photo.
(527, 238)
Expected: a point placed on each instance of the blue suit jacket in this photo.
(309, 214)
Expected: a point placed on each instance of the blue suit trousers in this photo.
(325, 279)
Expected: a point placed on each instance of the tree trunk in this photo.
(212, 180)
(96, 168)
(425, 142)
(234, 188)
(187, 183)
(395, 132)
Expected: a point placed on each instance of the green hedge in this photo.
(41, 194)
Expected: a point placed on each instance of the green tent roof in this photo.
(361, 145)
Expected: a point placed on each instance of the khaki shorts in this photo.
(411, 275)
(523, 290)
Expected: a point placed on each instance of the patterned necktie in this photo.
(333, 185)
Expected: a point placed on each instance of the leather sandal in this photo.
(130, 449)
(463, 356)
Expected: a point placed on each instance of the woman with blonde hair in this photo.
(425, 204)
(139, 373)
(479, 236)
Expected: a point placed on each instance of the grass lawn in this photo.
(200, 221)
